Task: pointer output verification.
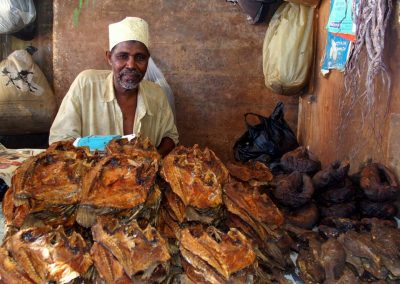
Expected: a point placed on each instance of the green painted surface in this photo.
(77, 11)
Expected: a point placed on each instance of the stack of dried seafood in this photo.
(256, 216)
(121, 182)
(125, 252)
(195, 222)
(335, 191)
(375, 254)
(292, 188)
(47, 187)
(42, 255)
(349, 251)
(369, 193)
(380, 189)
(323, 261)
(294, 193)
(211, 256)
(194, 193)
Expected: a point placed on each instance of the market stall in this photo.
(287, 167)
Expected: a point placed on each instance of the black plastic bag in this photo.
(266, 141)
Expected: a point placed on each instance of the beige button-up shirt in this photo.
(90, 108)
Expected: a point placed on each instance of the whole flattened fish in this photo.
(221, 254)
(255, 207)
(135, 249)
(53, 176)
(116, 183)
(195, 175)
(48, 186)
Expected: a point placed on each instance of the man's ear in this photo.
(108, 57)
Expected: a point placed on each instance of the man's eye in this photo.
(122, 56)
(140, 57)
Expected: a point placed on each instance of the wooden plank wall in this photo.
(321, 123)
(209, 53)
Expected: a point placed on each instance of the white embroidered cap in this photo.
(130, 28)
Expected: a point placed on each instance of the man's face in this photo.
(129, 61)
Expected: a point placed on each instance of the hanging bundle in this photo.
(288, 49)
(371, 20)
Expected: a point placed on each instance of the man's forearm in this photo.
(166, 146)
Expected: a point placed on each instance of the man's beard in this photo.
(129, 84)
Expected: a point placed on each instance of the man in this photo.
(118, 102)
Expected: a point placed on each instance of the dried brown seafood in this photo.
(48, 185)
(117, 183)
(332, 175)
(341, 210)
(46, 254)
(384, 210)
(142, 253)
(108, 267)
(53, 175)
(300, 160)
(378, 182)
(253, 172)
(339, 194)
(311, 270)
(294, 190)
(211, 256)
(253, 207)
(196, 176)
(137, 147)
(10, 271)
(256, 216)
(304, 217)
(323, 261)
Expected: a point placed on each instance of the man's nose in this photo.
(131, 62)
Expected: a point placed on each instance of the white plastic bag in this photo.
(155, 75)
(288, 49)
(15, 15)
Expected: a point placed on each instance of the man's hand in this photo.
(166, 146)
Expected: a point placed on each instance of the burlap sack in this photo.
(27, 102)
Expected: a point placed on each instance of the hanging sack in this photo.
(288, 49)
(27, 102)
(266, 141)
(259, 11)
(15, 15)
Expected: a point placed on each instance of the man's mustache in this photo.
(131, 72)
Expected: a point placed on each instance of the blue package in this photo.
(96, 142)
(337, 51)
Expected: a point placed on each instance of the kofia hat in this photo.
(130, 28)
